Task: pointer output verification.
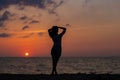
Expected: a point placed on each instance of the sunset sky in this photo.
(93, 27)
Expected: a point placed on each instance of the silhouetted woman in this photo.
(57, 48)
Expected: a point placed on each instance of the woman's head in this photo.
(54, 31)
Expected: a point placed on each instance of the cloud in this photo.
(55, 5)
(68, 25)
(49, 5)
(23, 18)
(86, 3)
(14, 6)
(25, 27)
(4, 17)
(34, 21)
(27, 36)
(41, 33)
(20, 7)
(5, 35)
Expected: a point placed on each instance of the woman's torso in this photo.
(57, 45)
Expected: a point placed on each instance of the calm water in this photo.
(66, 65)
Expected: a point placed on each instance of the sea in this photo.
(43, 65)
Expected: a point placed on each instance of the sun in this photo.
(27, 54)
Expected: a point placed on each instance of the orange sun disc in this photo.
(26, 54)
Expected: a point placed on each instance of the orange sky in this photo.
(93, 28)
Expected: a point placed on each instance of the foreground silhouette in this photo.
(56, 49)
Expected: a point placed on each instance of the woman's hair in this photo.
(54, 31)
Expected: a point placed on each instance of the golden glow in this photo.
(23, 32)
(27, 54)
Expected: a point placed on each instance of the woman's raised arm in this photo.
(63, 32)
(62, 28)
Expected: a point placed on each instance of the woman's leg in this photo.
(53, 65)
(56, 53)
(55, 60)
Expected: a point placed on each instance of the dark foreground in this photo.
(78, 76)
